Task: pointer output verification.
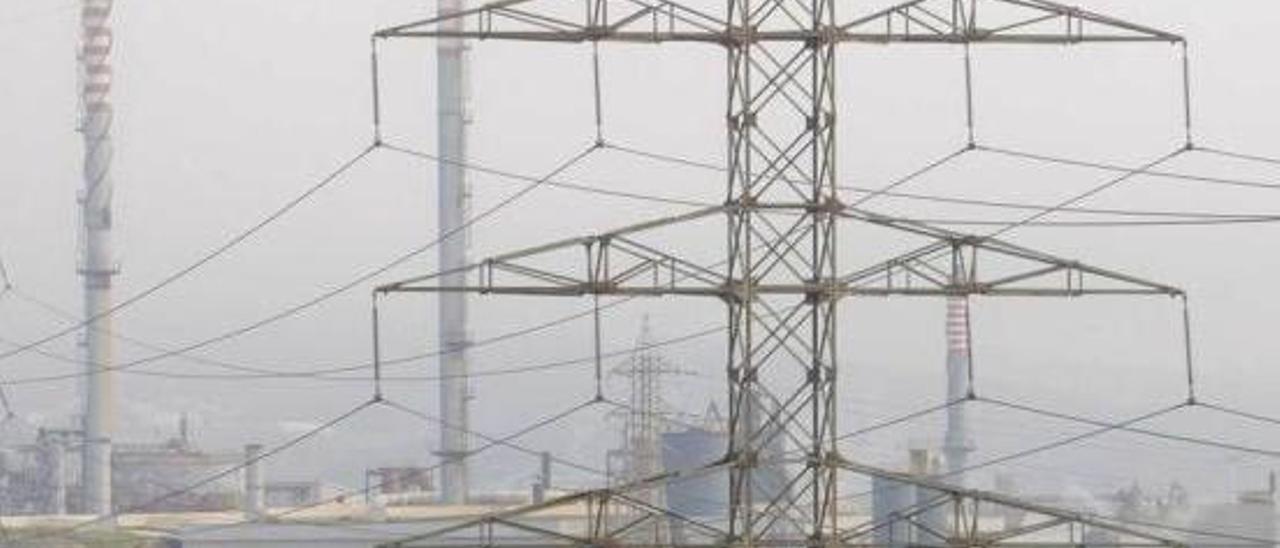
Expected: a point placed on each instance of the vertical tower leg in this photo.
(781, 365)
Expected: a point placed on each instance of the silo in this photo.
(888, 499)
(700, 496)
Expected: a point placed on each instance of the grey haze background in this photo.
(226, 109)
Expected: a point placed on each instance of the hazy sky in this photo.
(226, 109)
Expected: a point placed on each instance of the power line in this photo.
(505, 440)
(1208, 215)
(899, 420)
(1240, 155)
(331, 423)
(292, 310)
(1194, 219)
(58, 312)
(263, 373)
(1126, 174)
(1098, 224)
(502, 440)
(203, 260)
(321, 376)
(258, 372)
(556, 183)
(1140, 431)
(1056, 444)
(1250, 540)
(1238, 413)
(887, 191)
(1044, 158)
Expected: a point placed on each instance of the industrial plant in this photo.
(641, 344)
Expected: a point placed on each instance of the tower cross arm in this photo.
(560, 21)
(915, 21)
(995, 21)
(976, 265)
(620, 262)
(956, 263)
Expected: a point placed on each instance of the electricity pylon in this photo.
(781, 283)
(647, 411)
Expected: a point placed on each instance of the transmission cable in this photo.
(203, 260)
(1240, 414)
(942, 221)
(931, 166)
(1056, 444)
(505, 440)
(1043, 158)
(1209, 218)
(499, 372)
(263, 373)
(1140, 431)
(902, 419)
(549, 182)
(322, 374)
(888, 192)
(292, 310)
(1239, 155)
(58, 312)
(189, 488)
(1128, 173)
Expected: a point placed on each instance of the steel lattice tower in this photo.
(781, 284)
(642, 432)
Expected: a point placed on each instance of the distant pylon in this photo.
(645, 420)
(647, 409)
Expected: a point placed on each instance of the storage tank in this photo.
(890, 498)
(702, 496)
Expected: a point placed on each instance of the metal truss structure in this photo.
(939, 515)
(781, 283)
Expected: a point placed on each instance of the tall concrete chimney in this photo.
(454, 197)
(97, 265)
(255, 487)
(956, 446)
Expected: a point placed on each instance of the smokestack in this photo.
(956, 445)
(96, 263)
(454, 197)
(544, 478)
(255, 489)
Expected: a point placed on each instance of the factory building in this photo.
(44, 476)
(143, 476)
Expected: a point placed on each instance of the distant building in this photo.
(291, 494)
(145, 477)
